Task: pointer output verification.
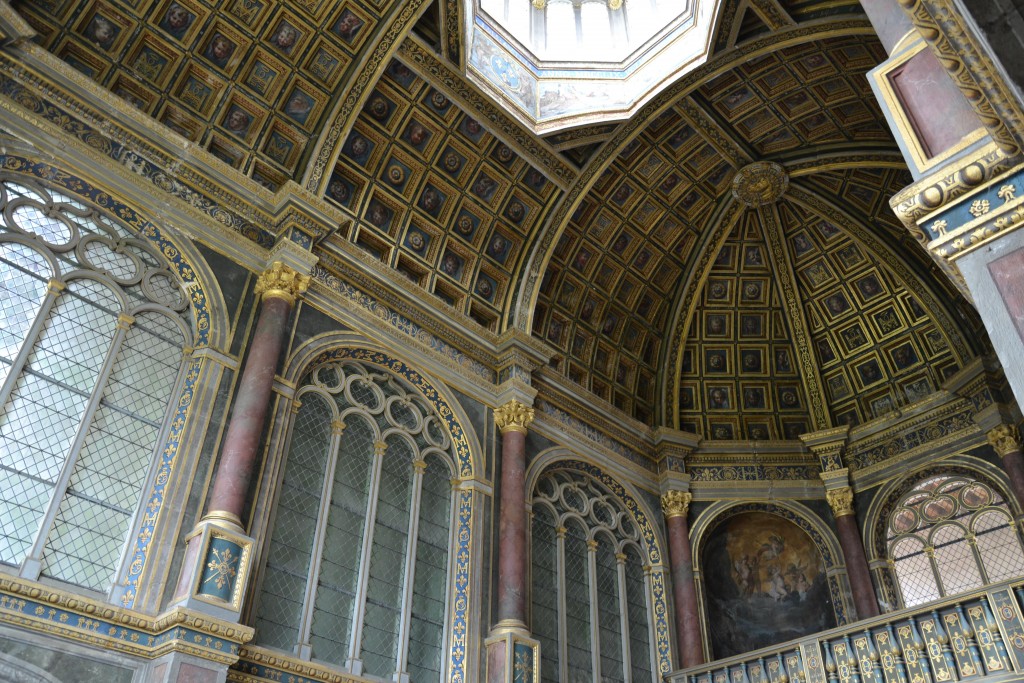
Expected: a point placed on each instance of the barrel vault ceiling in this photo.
(620, 245)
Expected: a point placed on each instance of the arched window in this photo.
(93, 324)
(951, 534)
(357, 568)
(589, 591)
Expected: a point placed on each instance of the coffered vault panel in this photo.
(250, 80)
(437, 197)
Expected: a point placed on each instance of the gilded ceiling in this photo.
(621, 246)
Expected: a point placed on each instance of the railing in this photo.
(968, 637)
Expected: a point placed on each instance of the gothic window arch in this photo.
(357, 569)
(94, 324)
(949, 534)
(589, 587)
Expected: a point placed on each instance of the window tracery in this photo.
(357, 567)
(589, 592)
(94, 328)
(951, 534)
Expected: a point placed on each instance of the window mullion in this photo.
(972, 541)
(303, 648)
(54, 288)
(652, 641)
(620, 570)
(563, 614)
(402, 676)
(32, 565)
(929, 550)
(595, 626)
(355, 664)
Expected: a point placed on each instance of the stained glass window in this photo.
(356, 572)
(93, 325)
(951, 534)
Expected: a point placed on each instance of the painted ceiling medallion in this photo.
(760, 183)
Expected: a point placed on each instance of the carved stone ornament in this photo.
(676, 503)
(513, 417)
(760, 183)
(280, 281)
(841, 501)
(1005, 439)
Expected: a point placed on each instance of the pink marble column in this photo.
(277, 288)
(1006, 440)
(676, 505)
(841, 501)
(512, 420)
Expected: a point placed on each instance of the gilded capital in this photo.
(513, 417)
(841, 501)
(281, 282)
(1005, 439)
(676, 503)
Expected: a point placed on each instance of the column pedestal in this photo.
(512, 656)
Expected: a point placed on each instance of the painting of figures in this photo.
(765, 584)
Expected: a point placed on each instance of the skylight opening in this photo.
(560, 63)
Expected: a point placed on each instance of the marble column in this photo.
(676, 505)
(512, 420)
(277, 289)
(512, 655)
(216, 567)
(840, 499)
(1005, 439)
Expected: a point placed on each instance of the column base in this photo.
(512, 655)
(215, 571)
(178, 667)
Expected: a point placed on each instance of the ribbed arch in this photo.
(377, 535)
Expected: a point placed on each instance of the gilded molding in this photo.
(513, 417)
(457, 88)
(281, 282)
(964, 59)
(840, 500)
(676, 503)
(50, 610)
(726, 145)
(357, 89)
(1005, 439)
(760, 183)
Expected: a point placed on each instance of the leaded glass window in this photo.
(952, 534)
(356, 571)
(589, 592)
(93, 326)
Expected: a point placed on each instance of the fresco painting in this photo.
(766, 584)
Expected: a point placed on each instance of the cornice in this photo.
(50, 610)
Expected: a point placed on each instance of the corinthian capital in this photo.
(841, 501)
(281, 282)
(513, 417)
(1005, 439)
(676, 503)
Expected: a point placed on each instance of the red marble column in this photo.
(1006, 440)
(841, 501)
(277, 288)
(512, 419)
(675, 505)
